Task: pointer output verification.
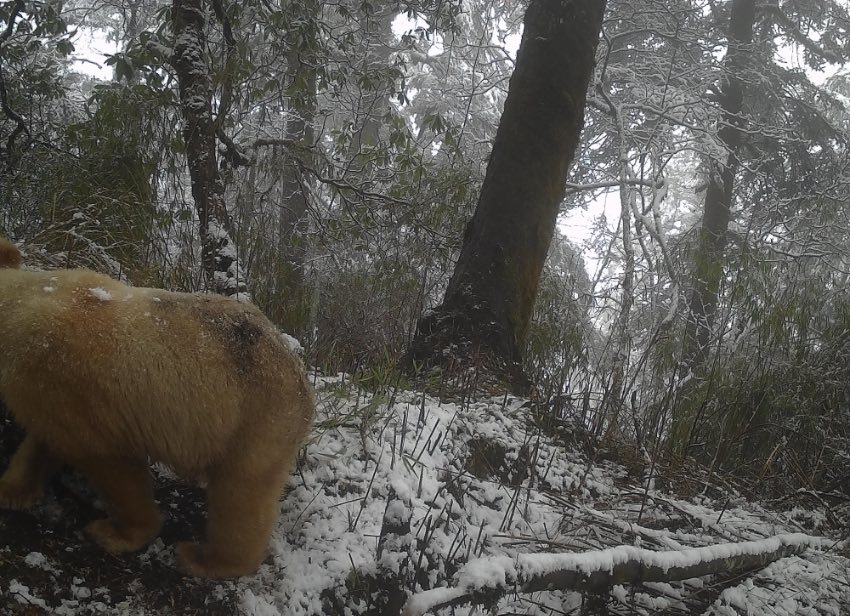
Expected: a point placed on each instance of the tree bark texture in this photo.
(490, 297)
(709, 255)
(195, 85)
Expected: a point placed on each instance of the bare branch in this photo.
(571, 187)
(233, 153)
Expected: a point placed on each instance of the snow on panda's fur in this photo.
(105, 377)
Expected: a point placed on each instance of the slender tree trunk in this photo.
(374, 99)
(621, 336)
(488, 304)
(189, 60)
(709, 256)
(299, 128)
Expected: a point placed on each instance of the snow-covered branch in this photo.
(793, 32)
(572, 187)
(487, 579)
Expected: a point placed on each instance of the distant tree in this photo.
(301, 80)
(487, 307)
(774, 145)
(709, 254)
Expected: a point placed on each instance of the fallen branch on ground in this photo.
(487, 579)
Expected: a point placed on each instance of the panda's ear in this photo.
(10, 256)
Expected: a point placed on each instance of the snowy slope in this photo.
(484, 487)
(483, 480)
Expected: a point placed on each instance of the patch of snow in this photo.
(79, 591)
(792, 586)
(421, 447)
(252, 605)
(22, 595)
(100, 293)
(293, 344)
(37, 560)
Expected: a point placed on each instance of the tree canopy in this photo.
(326, 158)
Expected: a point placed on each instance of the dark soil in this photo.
(76, 576)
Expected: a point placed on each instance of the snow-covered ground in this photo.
(485, 485)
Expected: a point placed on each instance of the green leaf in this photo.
(123, 68)
(65, 47)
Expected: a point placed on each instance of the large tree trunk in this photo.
(189, 60)
(709, 256)
(488, 304)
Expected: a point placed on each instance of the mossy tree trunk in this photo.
(189, 59)
(487, 307)
(709, 255)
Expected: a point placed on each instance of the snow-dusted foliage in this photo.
(485, 482)
(350, 140)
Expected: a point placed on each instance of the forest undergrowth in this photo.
(397, 492)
